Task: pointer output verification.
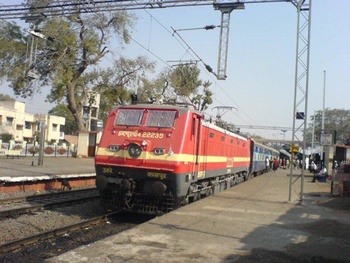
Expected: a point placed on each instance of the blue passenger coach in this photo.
(259, 153)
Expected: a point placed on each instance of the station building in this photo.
(24, 126)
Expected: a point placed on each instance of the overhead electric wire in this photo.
(200, 59)
(62, 8)
(214, 80)
(207, 67)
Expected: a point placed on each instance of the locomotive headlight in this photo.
(114, 148)
(159, 151)
(134, 150)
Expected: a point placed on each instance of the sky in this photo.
(261, 58)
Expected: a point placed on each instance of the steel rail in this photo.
(34, 197)
(15, 244)
(30, 209)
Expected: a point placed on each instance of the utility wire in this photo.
(187, 47)
(207, 67)
(200, 59)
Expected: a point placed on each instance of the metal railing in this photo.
(31, 149)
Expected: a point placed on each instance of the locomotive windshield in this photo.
(129, 117)
(159, 118)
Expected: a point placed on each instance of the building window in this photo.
(86, 111)
(9, 121)
(54, 127)
(19, 128)
(94, 112)
(28, 125)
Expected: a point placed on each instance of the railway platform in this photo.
(26, 172)
(252, 222)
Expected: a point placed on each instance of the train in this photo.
(155, 158)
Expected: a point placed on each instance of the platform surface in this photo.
(27, 168)
(251, 222)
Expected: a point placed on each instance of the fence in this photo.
(33, 150)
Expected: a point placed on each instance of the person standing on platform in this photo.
(275, 164)
(267, 161)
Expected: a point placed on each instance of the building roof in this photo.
(71, 139)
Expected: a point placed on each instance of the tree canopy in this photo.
(181, 85)
(69, 60)
(65, 60)
(6, 137)
(186, 83)
(4, 97)
(336, 121)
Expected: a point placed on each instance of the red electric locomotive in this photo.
(155, 158)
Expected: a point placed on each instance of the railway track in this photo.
(77, 220)
(22, 205)
(19, 243)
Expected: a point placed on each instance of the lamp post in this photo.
(313, 137)
(42, 142)
(324, 103)
(33, 149)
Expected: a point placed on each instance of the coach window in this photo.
(129, 117)
(158, 118)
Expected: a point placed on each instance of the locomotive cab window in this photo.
(159, 118)
(129, 117)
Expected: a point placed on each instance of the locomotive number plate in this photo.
(137, 134)
(157, 135)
